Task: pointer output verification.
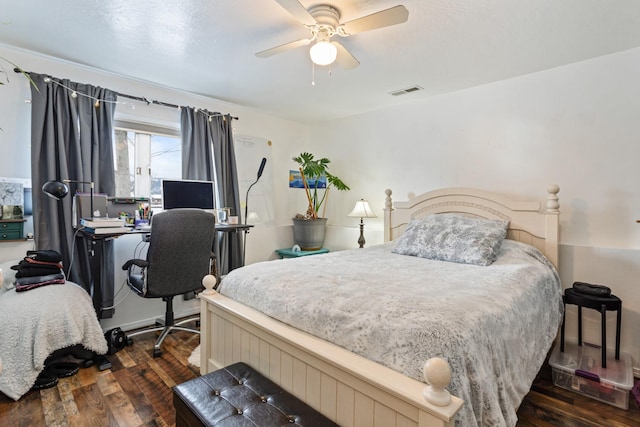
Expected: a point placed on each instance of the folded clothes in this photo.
(49, 263)
(36, 279)
(33, 262)
(27, 269)
(25, 283)
(22, 288)
(45, 255)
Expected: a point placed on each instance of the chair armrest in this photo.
(137, 262)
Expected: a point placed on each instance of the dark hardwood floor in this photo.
(136, 391)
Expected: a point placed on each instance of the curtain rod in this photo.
(136, 98)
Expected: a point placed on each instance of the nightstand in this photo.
(601, 304)
(11, 229)
(289, 253)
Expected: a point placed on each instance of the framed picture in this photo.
(295, 180)
(11, 199)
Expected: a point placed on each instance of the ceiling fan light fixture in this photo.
(323, 53)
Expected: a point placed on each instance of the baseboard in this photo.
(152, 320)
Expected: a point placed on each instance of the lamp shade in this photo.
(323, 52)
(55, 189)
(362, 210)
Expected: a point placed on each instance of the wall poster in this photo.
(250, 151)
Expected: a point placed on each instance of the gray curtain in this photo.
(71, 138)
(208, 154)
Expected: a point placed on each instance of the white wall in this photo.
(577, 126)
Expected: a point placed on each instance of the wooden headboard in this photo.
(527, 222)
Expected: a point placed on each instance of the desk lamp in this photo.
(59, 190)
(362, 210)
(246, 206)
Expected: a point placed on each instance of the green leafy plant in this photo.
(5, 80)
(17, 68)
(312, 169)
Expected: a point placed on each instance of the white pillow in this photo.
(453, 237)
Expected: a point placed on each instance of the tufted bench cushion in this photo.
(240, 396)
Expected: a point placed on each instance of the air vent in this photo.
(406, 90)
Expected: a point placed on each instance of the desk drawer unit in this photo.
(11, 230)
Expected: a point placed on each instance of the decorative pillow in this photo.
(454, 238)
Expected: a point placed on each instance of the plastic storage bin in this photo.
(578, 369)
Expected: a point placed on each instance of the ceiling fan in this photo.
(323, 21)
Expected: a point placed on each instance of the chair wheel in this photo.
(129, 341)
(157, 352)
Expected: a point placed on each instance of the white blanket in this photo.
(35, 323)
(493, 324)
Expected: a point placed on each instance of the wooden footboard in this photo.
(345, 387)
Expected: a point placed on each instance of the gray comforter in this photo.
(493, 324)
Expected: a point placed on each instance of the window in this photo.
(144, 156)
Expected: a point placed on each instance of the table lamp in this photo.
(59, 189)
(362, 210)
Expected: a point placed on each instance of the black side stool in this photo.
(600, 303)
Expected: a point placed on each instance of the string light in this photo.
(209, 115)
(74, 93)
(130, 105)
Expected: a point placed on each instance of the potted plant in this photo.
(16, 69)
(309, 229)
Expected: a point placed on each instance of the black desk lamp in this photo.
(246, 205)
(59, 190)
(246, 201)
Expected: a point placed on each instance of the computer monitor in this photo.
(188, 194)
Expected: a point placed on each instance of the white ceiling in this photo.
(208, 46)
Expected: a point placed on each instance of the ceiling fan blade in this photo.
(344, 58)
(298, 11)
(283, 47)
(384, 18)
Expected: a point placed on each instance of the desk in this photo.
(226, 228)
(95, 244)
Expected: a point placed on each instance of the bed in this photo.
(38, 322)
(349, 369)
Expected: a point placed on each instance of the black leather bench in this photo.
(238, 395)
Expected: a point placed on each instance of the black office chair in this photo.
(178, 257)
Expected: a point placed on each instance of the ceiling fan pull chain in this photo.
(313, 73)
